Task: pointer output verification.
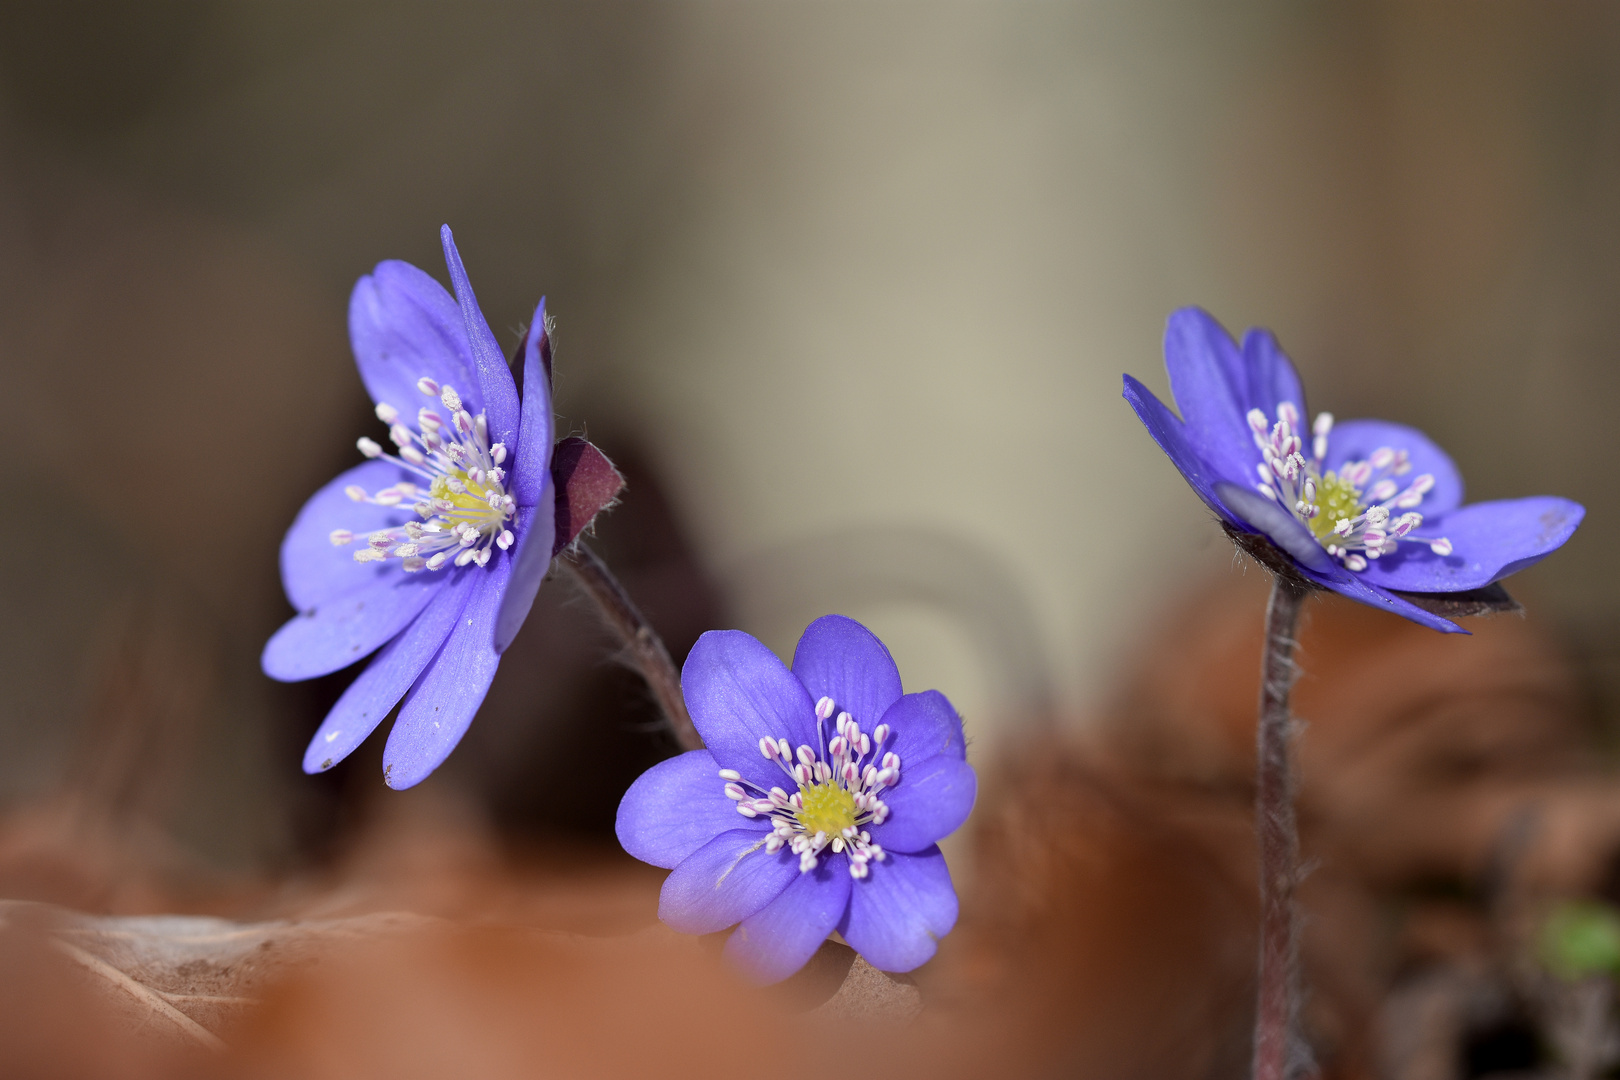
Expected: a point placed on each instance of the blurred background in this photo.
(846, 288)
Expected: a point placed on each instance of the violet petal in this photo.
(924, 725)
(1269, 378)
(313, 569)
(738, 691)
(676, 807)
(402, 326)
(445, 698)
(531, 464)
(1355, 440)
(378, 688)
(779, 938)
(339, 631)
(932, 800)
(1207, 376)
(839, 658)
(1489, 541)
(1178, 443)
(497, 387)
(531, 559)
(1267, 516)
(1351, 585)
(724, 882)
(900, 911)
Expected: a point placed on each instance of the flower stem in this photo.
(1276, 1040)
(638, 636)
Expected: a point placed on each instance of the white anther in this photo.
(1288, 414)
(388, 497)
(411, 564)
(730, 774)
(483, 556)
(1383, 490)
(844, 720)
(767, 748)
(866, 745)
(1258, 422)
(747, 811)
(850, 773)
(1382, 458)
(824, 708)
(802, 774)
(412, 455)
(1265, 472)
(427, 386)
(451, 399)
(437, 561)
(806, 756)
(467, 555)
(838, 747)
(368, 447)
(355, 492)
(505, 540)
(405, 551)
(340, 537)
(838, 844)
(1377, 516)
(773, 843)
(463, 421)
(783, 751)
(1355, 562)
(779, 797)
(481, 428)
(1266, 490)
(369, 554)
(1323, 424)
(1442, 546)
(807, 862)
(735, 791)
(1343, 527)
(873, 851)
(497, 453)
(857, 869)
(891, 760)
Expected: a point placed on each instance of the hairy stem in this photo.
(1276, 1040)
(644, 644)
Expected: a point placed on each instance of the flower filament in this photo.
(464, 504)
(1350, 512)
(838, 791)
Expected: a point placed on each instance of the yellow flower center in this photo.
(828, 808)
(1339, 499)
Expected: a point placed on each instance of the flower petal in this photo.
(1269, 377)
(1181, 445)
(313, 569)
(339, 631)
(1209, 379)
(931, 801)
(497, 388)
(385, 680)
(1267, 516)
(402, 326)
(898, 914)
(1355, 440)
(1351, 585)
(839, 658)
(780, 937)
(445, 699)
(739, 692)
(724, 882)
(1489, 541)
(924, 726)
(676, 807)
(531, 559)
(531, 465)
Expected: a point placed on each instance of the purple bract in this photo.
(1367, 508)
(816, 807)
(432, 554)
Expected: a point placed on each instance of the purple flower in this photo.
(429, 556)
(1369, 509)
(816, 807)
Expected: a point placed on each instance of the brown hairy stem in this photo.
(638, 636)
(1279, 1052)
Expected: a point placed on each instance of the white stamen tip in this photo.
(386, 412)
(451, 399)
(355, 492)
(340, 537)
(1442, 546)
(824, 708)
(368, 447)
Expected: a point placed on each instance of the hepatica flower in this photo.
(1369, 509)
(429, 553)
(816, 806)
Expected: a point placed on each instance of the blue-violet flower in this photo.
(455, 528)
(1373, 511)
(816, 806)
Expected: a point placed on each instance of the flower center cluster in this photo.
(838, 791)
(1351, 511)
(464, 505)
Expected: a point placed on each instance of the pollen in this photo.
(828, 808)
(1339, 499)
